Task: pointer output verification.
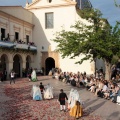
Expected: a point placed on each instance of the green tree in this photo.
(97, 40)
(116, 3)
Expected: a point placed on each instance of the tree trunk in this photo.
(107, 71)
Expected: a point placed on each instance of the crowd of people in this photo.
(31, 75)
(41, 92)
(22, 42)
(108, 89)
(7, 39)
(75, 104)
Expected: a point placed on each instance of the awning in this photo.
(33, 48)
(25, 47)
(17, 45)
(6, 44)
(21, 46)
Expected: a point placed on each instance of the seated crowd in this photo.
(22, 42)
(18, 41)
(108, 89)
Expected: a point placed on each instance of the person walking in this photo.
(62, 98)
(33, 76)
(12, 75)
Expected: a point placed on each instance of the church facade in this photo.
(27, 33)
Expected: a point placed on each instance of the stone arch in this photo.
(49, 64)
(17, 65)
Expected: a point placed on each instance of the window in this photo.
(2, 33)
(48, 20)
(27, 39)
(16, 36)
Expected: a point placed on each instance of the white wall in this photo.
(63, 17)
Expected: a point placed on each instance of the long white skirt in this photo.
(48, 94)
(118, 99)
(36, 93)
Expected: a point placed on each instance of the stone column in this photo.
(23, 66)
(9, 68)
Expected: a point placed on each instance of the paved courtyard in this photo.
(16, 103)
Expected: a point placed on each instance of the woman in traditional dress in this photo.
(33, 76)
(36, 93)
(73, 97)
(77, 110)
(48, 93)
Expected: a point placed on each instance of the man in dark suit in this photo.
(42, 89)
(62, 98)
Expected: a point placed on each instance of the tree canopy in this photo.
(97, 40)
(116, 3)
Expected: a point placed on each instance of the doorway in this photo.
(16, 65)
(49, 64)
(2, 33)
(28, 60)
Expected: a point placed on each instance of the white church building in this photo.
(27, 33)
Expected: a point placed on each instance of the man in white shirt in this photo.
(12, 75)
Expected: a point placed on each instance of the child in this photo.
(41, 88)
(62, 97)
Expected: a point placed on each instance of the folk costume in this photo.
(33, 76)
(77, 110)
(36, 93)
(48, 93)
(62, 98)
(73, 97)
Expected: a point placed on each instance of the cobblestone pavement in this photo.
(16, 103)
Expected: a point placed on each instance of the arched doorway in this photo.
(4, 66)
(17, 65)
(3, 62)
(28, 60)
(49, 64)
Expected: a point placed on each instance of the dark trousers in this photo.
(12, 79)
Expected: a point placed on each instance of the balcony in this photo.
(17, 45)
(6, 44)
